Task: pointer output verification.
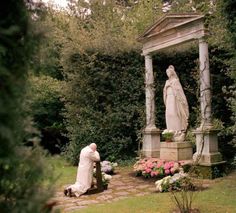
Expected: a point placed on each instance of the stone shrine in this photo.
(169, 31)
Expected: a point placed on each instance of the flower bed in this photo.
(177, 182)
(154, 167)
(108, 167)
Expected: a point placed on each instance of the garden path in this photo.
(122, 185)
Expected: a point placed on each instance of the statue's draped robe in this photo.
(177, 112)
(85, 171)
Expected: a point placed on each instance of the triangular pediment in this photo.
(168, 22)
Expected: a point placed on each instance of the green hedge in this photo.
(105, 104)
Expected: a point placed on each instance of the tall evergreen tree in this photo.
(21, 168)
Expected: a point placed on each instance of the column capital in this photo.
(203, 40)
(148, 56)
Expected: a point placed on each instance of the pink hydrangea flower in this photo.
(167, 171)
(150, 165)
(167, 166)
(159, 164)
(156, 167)
(152, 174)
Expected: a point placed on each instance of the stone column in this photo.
(206, 137)
(151, 135)
(205, 85)
(150, 93)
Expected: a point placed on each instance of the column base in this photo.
(207, 147)
(209, 159)
(176, 151)
(151, 143)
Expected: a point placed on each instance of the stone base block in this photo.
(207, 147)
(151, 143)
(176, 151)
(208, 159)
(150, 153)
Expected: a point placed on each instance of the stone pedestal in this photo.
(207, 153)
(151, 143)
(176, 151)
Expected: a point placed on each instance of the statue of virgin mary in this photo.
(175, 101)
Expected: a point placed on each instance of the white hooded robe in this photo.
(85, 171)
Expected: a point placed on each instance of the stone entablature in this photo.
(172, 30)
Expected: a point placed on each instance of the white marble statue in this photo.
(85, 171)
(177, 112)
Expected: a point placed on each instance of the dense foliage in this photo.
(104, 103)
(21, 168)
(45, 106)
(229, 11)
(44, 101)
(94, 46)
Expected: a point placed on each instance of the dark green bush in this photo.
(44, 104)
(105, 103)
(229, 11)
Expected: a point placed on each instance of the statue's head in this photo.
(171, 72)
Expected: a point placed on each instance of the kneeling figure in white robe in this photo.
(88, 156)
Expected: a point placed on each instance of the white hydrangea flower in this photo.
(107, 177)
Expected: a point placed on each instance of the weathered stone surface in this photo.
(171, 30)
(105, 197)
(207, 147)
(143, 186)
(124, 187)
(122, 193)
(132, 190)
(151, 143)
(176, 151)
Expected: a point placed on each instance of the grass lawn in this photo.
(62, 171)
(220, 197)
